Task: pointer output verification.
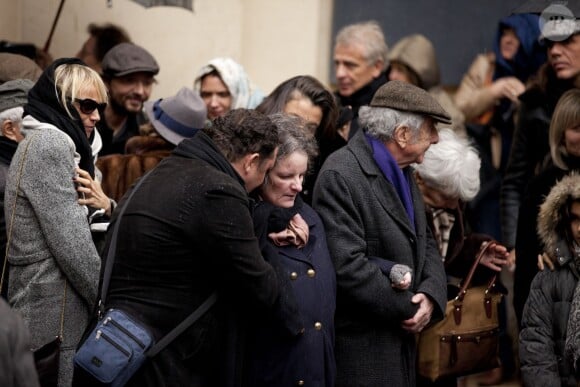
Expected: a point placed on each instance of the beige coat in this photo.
(473, 97)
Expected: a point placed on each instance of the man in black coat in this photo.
(188, 232)
(360, 61)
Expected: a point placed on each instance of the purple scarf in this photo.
(394, 175)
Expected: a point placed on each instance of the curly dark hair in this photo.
(243, 131)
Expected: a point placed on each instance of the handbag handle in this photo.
(458, 301)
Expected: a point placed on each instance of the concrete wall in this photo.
(273, 39)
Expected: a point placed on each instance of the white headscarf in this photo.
(244, 93)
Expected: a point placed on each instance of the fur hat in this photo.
(178, 117)
(550, 212)
(405, 97)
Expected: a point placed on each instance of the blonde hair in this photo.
(71, 79)
(566, 116)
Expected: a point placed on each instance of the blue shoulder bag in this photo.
(119, 344)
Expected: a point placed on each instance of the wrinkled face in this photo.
(352, 69)
(216, 96)
(414, 152)
(257, 173)
(572, 141)
(88, 118)
(575, 220)
(87, 54)
(436, 198)
(130, 91)
(509, 44)
(564, 57)
(305, 109)
(285, 180)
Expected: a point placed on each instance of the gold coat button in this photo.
(317, 326)
(311, 273)
(293, 275)
(300, 382)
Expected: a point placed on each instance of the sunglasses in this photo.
(87, 105)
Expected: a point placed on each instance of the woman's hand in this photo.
(495, 256)
(545, 261)
(508, 87)
(92, 193)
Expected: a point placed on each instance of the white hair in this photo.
(451, 166)
(13, 114)
(381, 122)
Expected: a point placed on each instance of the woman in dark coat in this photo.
(292, 238)
(564, 142)
(549, 338)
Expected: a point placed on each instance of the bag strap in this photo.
(113, 246)
(9, 237)
(179, 329)
(467, 280)
(192, 318)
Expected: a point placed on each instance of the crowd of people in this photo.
(333, 225)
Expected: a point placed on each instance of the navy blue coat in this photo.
(279, 358)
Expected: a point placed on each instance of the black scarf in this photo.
(44, 105)
(360, 98)
(202, 147)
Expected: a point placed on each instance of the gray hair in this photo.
(294, 136)
(451, 166)
(370, 36)
(13, 114)
(381, 122)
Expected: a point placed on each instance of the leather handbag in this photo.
(466, 341)
(46, 358)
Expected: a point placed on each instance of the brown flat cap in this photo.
(14, 66)
(408, 98)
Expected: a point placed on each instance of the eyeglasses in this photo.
(87, 105)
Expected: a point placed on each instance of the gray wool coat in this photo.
(51, 245)
(366, 224)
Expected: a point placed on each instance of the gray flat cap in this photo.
(128, 58)
(14, 93)
(408, 98)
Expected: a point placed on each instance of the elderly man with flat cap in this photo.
(129, 73)
(373, 211)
